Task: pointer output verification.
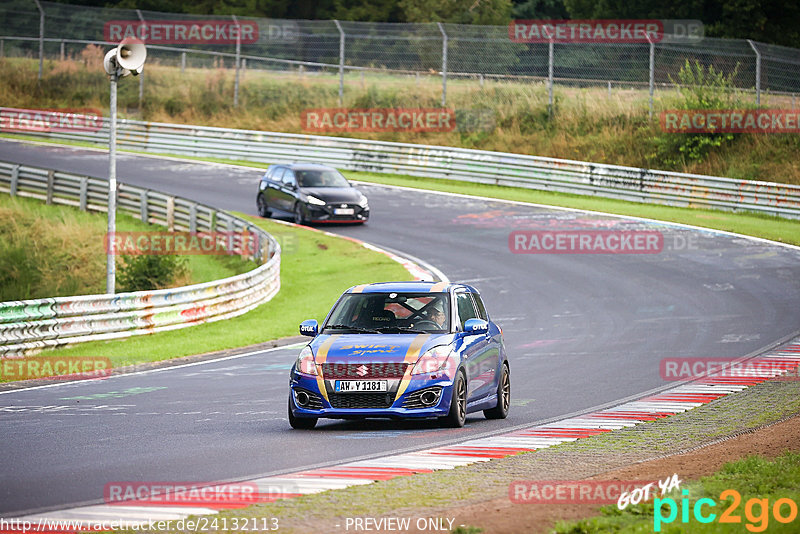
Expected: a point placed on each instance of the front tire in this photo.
(457, 415)
(503, 397)
(263, 209)
(301, 423)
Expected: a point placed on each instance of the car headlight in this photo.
(363, 202)
(315, 201)
(436, 360)
(305, 362)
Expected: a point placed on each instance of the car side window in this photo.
(465, 308)
(288, 178)
(480, 307)
(276, 175)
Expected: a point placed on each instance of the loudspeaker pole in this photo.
(111, 267)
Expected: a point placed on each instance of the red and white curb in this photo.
(772, 364)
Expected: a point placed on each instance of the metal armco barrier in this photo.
(515, 170)
(31, 325)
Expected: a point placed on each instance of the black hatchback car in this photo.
(311, 193)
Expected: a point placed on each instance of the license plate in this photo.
(343, 211)
(360, 386)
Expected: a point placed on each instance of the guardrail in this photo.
(515, 170)
(31, 325)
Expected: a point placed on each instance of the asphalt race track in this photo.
(581, 330)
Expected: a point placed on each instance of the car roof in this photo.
(417, 286)
(304, 166)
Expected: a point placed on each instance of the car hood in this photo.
(349, 195)
(385, 348)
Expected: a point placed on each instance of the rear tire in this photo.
(263, 209)
(301, 423)
(299, 218)
(458, 404)
(503, 397)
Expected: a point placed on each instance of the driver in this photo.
(438, 317)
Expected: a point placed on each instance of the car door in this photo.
(479, 361)
(274, 188)
(288, 191)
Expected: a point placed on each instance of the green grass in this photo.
(752, 477)
(315, 270)
(57, 250)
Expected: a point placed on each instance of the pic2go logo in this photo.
(756, 511)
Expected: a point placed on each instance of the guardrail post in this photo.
(143, 214)
(14, 180)
(444, 64)
(758, 72)
(183, 62)
(41, 37)
(171, 214)
(341, 62)
(50, 179)
(84, 193)
(193, 218)
(238, 61)
(213, 222)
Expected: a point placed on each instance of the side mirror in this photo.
(476, 326)
(309, 327)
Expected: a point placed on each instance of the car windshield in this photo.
(315, 178)
(391, 313)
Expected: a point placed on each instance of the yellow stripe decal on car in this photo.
(322, 355)
(438, 287)
(359, 289)
(411, 358)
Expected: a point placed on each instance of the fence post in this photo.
(170, 214)
(41, 37)
(193, 217)
(143, 211)
(609, 88)
(341, 62)
(652, 72)
(141, 74)
(62, 50)
(84, 193)
(2, 48)
(758, 72)
(14, 180)
(50, 180)
(183, 62)
(238, 55)
(550, 78)
(444, 64)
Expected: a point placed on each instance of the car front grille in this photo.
(413, 400)
(365, 371)
(361, 400)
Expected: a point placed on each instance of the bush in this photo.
(145, 273)
(700, 88)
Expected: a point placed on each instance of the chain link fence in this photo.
(452, 57)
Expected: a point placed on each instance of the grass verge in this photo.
(315, 270)
(764, 481)
(56, 250)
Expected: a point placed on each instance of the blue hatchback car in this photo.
(402, 350)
